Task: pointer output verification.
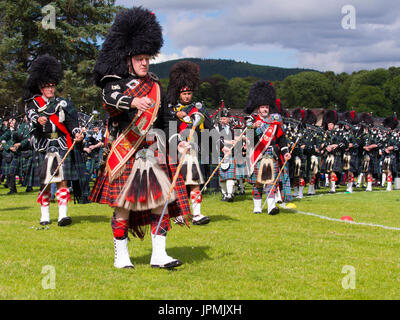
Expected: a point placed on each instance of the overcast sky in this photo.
(283, 33)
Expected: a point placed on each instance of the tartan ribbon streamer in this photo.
(263, 144)
(128, 141)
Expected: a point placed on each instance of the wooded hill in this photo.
(229, 69)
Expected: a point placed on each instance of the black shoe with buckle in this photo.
(274, 211)
(202, 221)
(170, 265)
(65, 222)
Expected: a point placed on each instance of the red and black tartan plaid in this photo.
(104, 192)
(164, 225)
(141, 90)
(119, 228)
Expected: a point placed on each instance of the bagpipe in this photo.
(294, 127)
(238, 122)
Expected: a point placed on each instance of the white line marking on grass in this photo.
(339, 220)
(344, 192)
(351, 222)
(346, 221)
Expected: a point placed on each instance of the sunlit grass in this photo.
(238, 255)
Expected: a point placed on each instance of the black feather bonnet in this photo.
(261, 93)
(135, 31)
(44, 69)
(184, 76)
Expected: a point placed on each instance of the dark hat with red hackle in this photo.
(310, 117)
(351, 117)
(299, 114)
(184, 76)
(391, 122)
(366, 118)
(261, 93)
(44, 70)
(135, 31)
(330, 116)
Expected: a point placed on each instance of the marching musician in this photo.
(92, 147)
(334, 146)
(351, 155)
(134, 181)
(313, 143)
(390, 148)
(241, 171)
(7, 142)
(184, 78)
(271, 147)
(227, 170)
(300, 157)
(54, 122)
(370, 146)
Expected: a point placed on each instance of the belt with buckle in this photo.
(54, 135)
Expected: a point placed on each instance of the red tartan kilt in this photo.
(104, 192)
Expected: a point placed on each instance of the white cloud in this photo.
(165, 57)
(197, 52)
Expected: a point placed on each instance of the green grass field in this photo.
(238, 255)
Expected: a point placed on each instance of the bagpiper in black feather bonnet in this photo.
(44, 70)
(299, 114)
(135, 31)
(184, 76)
(351, 117)
(261, 93)
(310, 117)
(330, 116)
(391, 122)
(366, 119)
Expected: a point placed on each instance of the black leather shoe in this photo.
(12, 192)
(44, 223)
(202, 221)
(274, 211)
(28, 189)
(65, 222)
(257, 212)
(170, 265)
(229, 198)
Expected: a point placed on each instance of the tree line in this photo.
(376, 91)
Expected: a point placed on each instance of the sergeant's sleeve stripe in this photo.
(76, 130)
(123, 103)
